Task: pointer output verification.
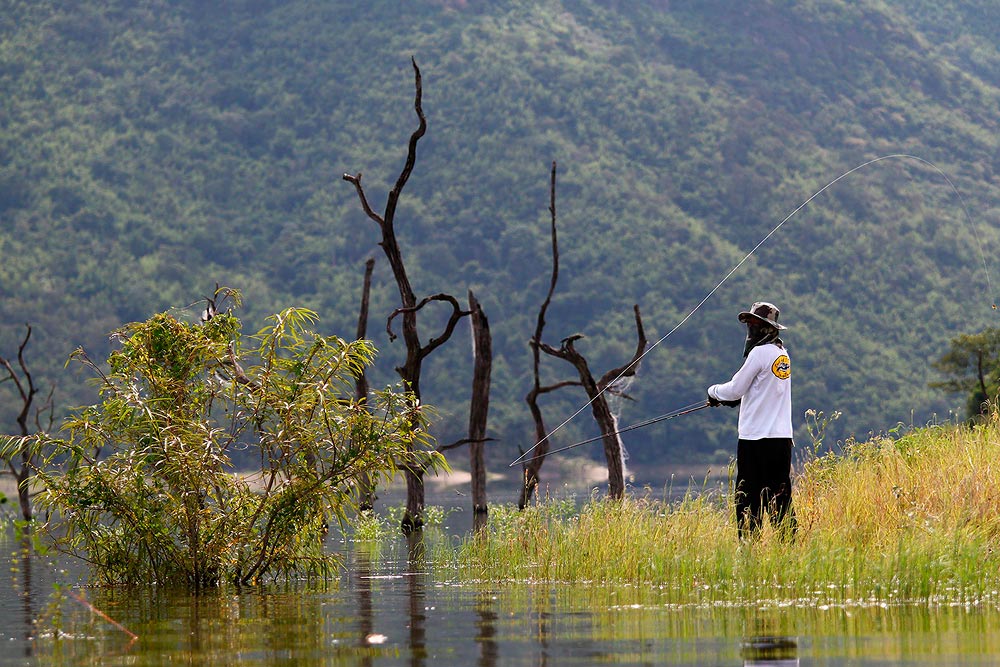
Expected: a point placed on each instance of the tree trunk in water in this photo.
(605, 421)
(597, 393)
(413, 517)
(533, 458)
(479, 409)
(366, 486)
(531, 469)
(24, 494)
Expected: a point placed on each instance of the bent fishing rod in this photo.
(711, 293)
(686, 410)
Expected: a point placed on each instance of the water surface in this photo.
(390, 608)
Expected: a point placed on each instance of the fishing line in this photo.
(688, 409)
(902, 156)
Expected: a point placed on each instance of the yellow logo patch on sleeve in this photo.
(782, 367)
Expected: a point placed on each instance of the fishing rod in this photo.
(711, 293)
(686, 410)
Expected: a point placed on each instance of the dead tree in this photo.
(532, 467)
(416, 352)
(366, 486)
(597, 390)
(479, 407)
(597, 393)
(20, 460)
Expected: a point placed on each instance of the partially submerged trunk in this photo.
(366, 486)
(479, 409)
(603, 416)
(597, 392)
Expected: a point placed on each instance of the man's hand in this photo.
(714, 402)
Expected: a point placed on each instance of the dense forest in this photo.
(150, 149)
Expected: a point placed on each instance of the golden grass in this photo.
(889, 521)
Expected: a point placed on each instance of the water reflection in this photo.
(486, 631)
(366, 620)
(22, 588)
(775, 651)
(768, 644)
(392, 608)
(423, 615)
(415, 564)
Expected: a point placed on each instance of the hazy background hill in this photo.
(151, 148)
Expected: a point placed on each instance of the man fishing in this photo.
(762, 388)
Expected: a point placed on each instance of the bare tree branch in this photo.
(356, 180)
(559, 385)
(463, 442)
(46, 406)
(28, 392)
(25, 385)
(411, 153)
(456, 314)
(629, 369)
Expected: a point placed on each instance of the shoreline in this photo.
(566, 476)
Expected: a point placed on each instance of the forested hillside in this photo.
(150, 149)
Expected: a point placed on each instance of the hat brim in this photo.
(744, 315)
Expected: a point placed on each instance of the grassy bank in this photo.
(910, 519)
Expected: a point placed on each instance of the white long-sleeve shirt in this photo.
(764, 386)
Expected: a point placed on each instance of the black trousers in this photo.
(763, 483)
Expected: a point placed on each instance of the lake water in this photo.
(390, 608)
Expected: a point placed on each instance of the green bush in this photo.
(143, 485)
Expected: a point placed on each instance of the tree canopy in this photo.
(148, 150)
(971, 367)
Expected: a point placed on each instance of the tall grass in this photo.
(888, 521)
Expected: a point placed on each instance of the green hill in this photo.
(149, 150)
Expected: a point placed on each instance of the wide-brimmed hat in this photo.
(762, 310)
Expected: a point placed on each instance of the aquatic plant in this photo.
(890, 520)
(368, 526)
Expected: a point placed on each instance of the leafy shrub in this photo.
(143, 481)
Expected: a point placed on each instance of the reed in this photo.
(888, 521)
